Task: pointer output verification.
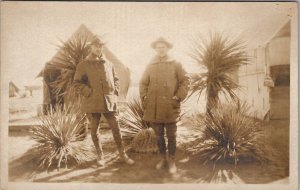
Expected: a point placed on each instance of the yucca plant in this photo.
(59, 138)
(219, 58)
(229, 134)
(70, 54)
(137, 130)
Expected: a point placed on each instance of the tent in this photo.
(122, 71)
(13, 89)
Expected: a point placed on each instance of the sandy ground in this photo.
(22, 164)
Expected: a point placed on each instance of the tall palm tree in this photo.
(221, 57)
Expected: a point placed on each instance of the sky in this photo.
(30, 31)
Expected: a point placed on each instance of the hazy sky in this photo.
(30, 30)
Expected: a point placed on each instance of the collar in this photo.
(96, 60)
(158, 59)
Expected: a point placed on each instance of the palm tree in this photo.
(71, 53)
(221, 57)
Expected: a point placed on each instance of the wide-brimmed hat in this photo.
(96, 40)
(161, 40)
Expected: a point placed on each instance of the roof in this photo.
(263, 32)
(13, 85)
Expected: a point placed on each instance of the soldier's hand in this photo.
(175, 98)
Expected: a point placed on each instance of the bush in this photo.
(228, 134)
(59, 138)
(137, 130)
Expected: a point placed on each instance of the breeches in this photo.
(170, 129)
(112, 120)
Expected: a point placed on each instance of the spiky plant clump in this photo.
(219, 58)
(70, 54)
(59, 138)
(137, 130)
(144, 141)
(228, 134)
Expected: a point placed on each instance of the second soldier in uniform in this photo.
(96, 80)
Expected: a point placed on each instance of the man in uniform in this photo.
(164, 85)
(96, 80)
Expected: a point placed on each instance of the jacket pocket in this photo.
(111, 102)
(87, 91)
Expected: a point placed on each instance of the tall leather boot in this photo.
(119, 142)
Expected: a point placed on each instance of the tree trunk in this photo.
(212, 100)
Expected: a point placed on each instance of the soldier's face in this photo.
(161, 49)
(96, 49)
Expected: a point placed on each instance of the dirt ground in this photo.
(23, 163)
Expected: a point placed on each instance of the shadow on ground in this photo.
(190, 169)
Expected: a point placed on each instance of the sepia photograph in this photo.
(143, 95)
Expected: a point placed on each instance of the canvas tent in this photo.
(13, 89)
(122, 71)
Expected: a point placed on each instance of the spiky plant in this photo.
(137, 130)
(70, 54)
(219, 58)
(59, 138)
(228, 134)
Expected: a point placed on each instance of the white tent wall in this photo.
(251, 80)
(276, 51)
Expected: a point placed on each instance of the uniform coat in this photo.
(162, 80)
(97, 82)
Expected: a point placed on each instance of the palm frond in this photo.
(59, 137)
(221, 57)
(71, 53)
(229, 134)
(144, 141)
(136, 129)
(132, 118)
